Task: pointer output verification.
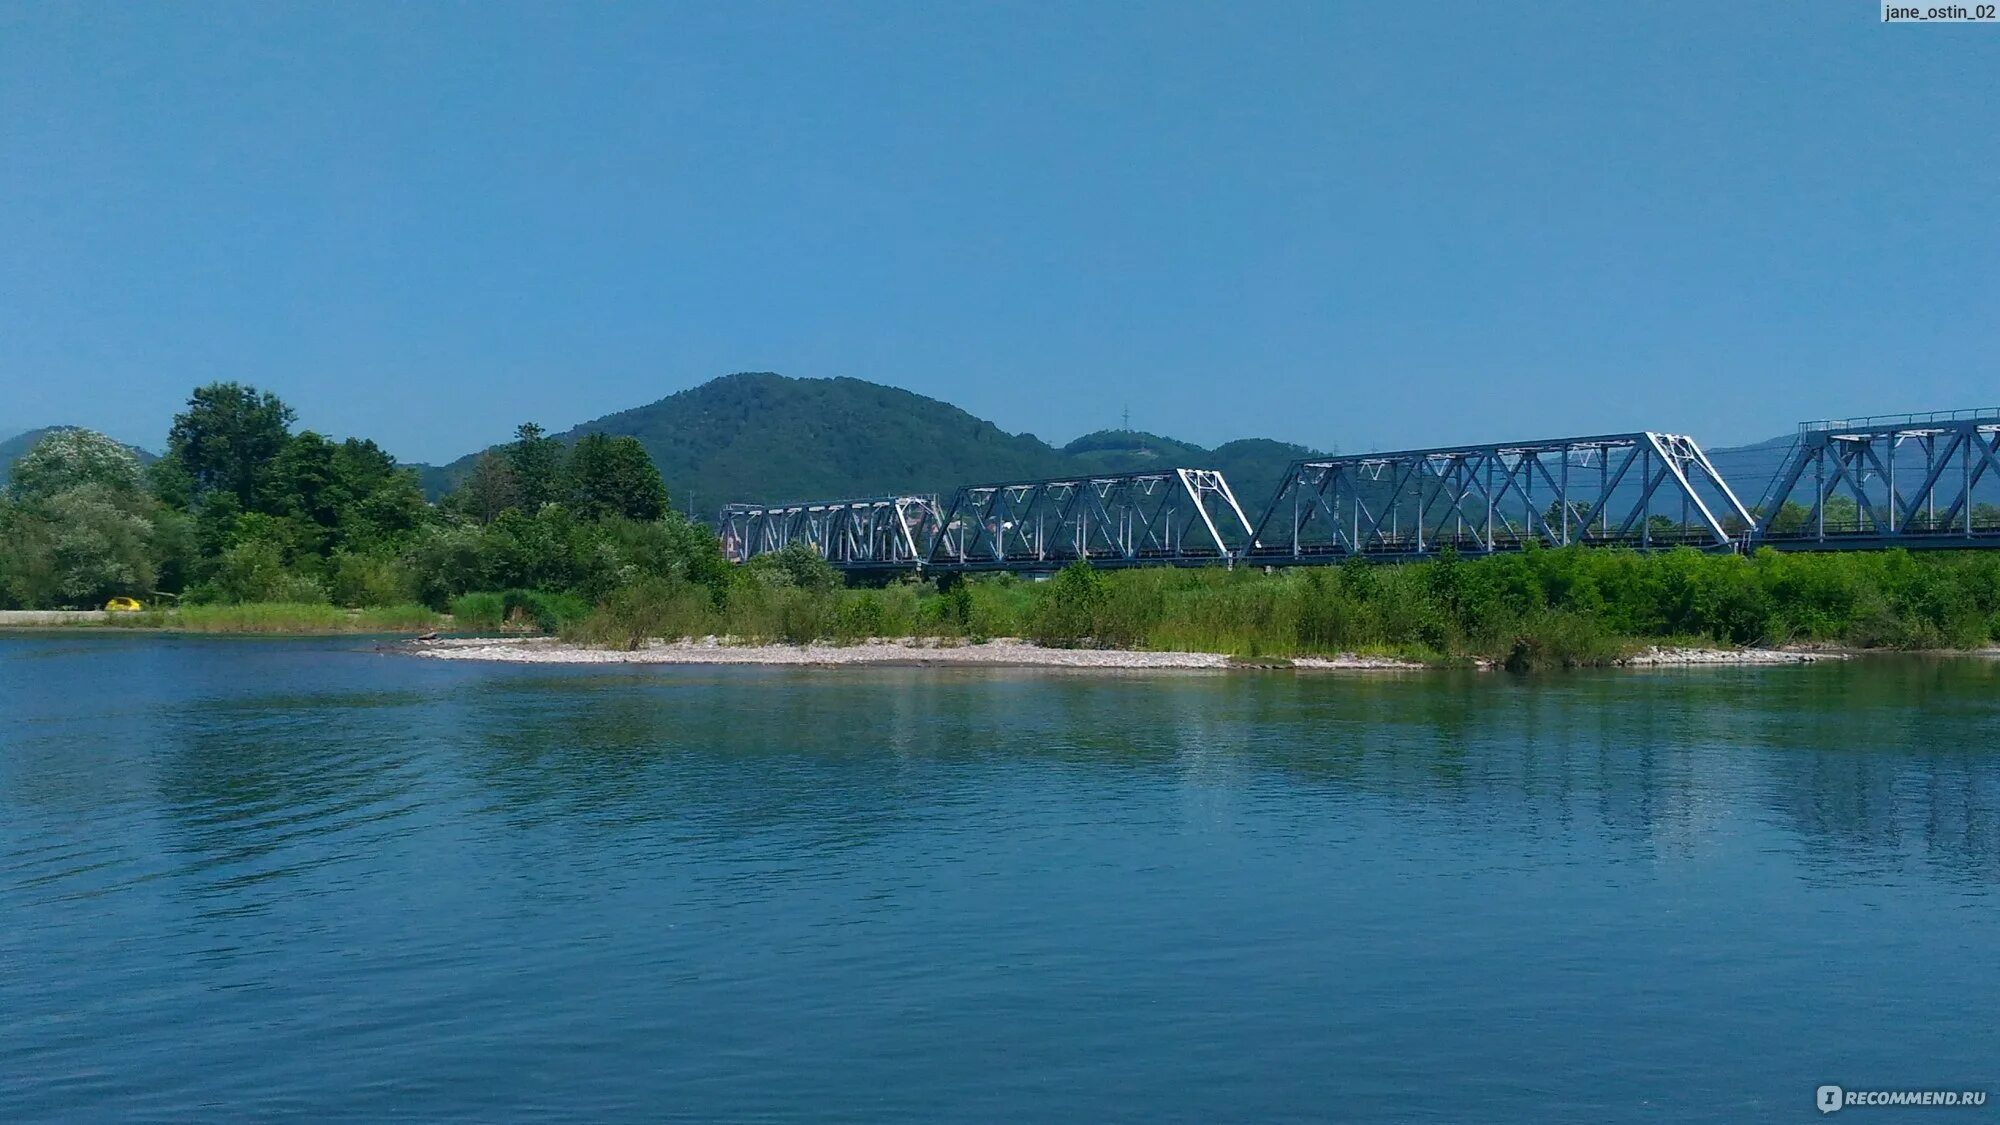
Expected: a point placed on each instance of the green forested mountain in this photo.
(1253, 466)
(13, 447)
(765, 438)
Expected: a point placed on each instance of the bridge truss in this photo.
(874, 532)
(1901, 480)
(1168, 516)
(1639, 489)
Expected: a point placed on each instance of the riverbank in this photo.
(1005, 652)
(270, 618)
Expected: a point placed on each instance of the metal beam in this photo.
(1949, 453)
(1167, 516)
(1488, 498)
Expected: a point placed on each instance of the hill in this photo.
(1254, 466)
(12, 448)
(1751, 469)
(766, 438)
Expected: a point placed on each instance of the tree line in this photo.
(245, 508)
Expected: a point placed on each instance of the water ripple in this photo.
(287, 879)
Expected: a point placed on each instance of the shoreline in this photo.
(1005, 653)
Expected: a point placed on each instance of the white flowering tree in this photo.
(79, 525)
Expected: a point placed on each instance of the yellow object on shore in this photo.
(123, 605)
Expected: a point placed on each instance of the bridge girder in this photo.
(1609, 489)
(870, 532)
(1164, 516)
(1912, 479)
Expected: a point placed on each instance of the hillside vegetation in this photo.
(760, 437)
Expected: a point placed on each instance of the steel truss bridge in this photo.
(1615, 489)
(1175, 516)
(892, 532)
(1868, 483)
(1908, 480)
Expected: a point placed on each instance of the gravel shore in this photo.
(1008, 653)
(1657, 657)
(995, 653)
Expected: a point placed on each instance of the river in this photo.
(255, 878)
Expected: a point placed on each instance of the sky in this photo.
(1357, 226)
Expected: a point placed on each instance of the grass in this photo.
(489, 612)
(281, 618)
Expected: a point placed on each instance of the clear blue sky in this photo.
(1373, 225)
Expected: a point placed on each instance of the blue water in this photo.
(243, 879)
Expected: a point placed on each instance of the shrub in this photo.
(372, 580)
(548, 611)
(651, 608)
(479, 613)
(254, 571)
(1068, 611)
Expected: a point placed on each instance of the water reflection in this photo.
(348, 883)
(1873, 763)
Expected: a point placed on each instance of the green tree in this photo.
(489, 489)
(376, 502)
(537, 462)
(330, 497)
(613, 476)
(80, 526)
(228, 439)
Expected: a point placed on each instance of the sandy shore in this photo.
(995, 653)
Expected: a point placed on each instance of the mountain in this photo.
(1253, 466)
(12, 448)
(1751, 469)
(765, 438)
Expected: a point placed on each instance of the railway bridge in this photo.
(1908, 480)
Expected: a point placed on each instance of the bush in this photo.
(797, 566)
(372, 580)
(549, 612)
(666, 608)
(254, 571)
(1067, 615)
(479, 613)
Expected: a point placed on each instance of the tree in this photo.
(489, 489)
(81, 525)
(537, 461)
(1579, 512)
(73, 458)
(299, 489)
(613, 476)
(379, 502)
(227, 440)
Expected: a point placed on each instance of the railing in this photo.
(1890, 421)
